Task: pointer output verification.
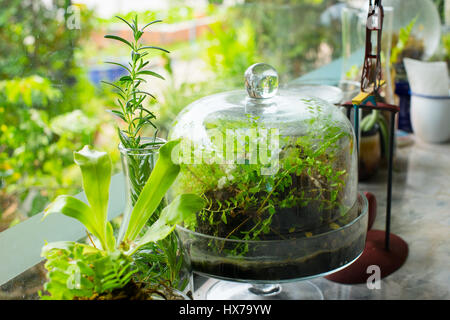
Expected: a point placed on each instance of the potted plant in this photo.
(274, 171)
(139, 153)
(105, 268)
(131, 99)
(301, 200)
(373, 144)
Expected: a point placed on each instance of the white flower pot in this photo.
(430, 118)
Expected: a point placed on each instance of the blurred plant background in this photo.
(48, 107)
(51, 65)
(52, 55)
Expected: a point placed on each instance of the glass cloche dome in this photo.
(273, 166)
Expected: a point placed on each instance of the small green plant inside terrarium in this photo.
(244, 204)
(274, 168)
(302, 188)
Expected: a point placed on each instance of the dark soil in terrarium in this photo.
(287, 223)
(313, 216)
(289, 269)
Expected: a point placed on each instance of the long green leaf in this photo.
(153, 47)
(77, 209)
(129, 24)
(156, 232)
(160, 180)
(109, 36)
(119, 64)
(151, 73)
(150, 23)
(369, 121)
(144, 92)
(113, 85)
(125, 79)
(384, 134)
(96, 172)
(118, 114)
(182, 208)
(110, 239)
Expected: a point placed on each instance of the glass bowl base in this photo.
(300, 290)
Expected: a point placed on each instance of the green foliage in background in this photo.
(173, 14)
(287, 35)
(231, 50)
(446, 41)
(241, 36)
(47, 105)
(403, 41)
(36, 143)
(35, 40)
(177, 95)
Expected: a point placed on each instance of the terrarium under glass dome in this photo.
(278, 171)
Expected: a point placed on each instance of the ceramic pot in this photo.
(430, 118)
(369, 153)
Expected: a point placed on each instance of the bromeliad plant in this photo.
(104, 269)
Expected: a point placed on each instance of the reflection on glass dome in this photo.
(426, 33)
(424, 17)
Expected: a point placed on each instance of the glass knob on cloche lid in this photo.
(261, 81)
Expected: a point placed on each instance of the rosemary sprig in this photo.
(130, 103)
(130, 96)
(161, 259)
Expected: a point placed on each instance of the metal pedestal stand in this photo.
(383, 249)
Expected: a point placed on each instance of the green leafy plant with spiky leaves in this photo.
(138, 162)
(131, 99)
(105, 270)
(130, 96)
